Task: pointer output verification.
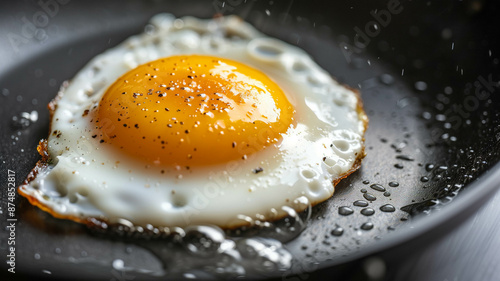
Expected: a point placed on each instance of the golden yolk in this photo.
(192, 110)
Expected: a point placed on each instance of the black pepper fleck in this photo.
(258, 170)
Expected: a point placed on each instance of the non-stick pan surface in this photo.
(428, 76)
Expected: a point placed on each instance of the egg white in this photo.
(82, 180)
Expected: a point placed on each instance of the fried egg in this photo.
(196, 122)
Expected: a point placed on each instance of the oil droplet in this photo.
(393, 184)
(363, 190)
(387, 79)
(37, 256)
(338, 231)
(440, 117)
(421, 86)
(345, 211)
(24, 120)
(366, 182)
(367, 226)
(388, 208)
(118, 264)
(188, 275)
(370, 197)
(360, 203)
(441, 169)
(429, 167)
(404, 157)
(387, 194)
(367, 211)
(424, 179)
(399, 166)
(377, 187)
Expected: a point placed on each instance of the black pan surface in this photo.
(428, 79)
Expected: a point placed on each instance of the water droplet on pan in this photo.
(377, 187)
(345, 211)
(441, 169)
(404, 157)
(367, 211)
(24, 120)
(398, 166)
(387, 79)
(421, 86)
(370, 197)
(338, 231)
(367, 226)
(388, 208)
(360, 203)
(426, 115)
(393, 184)
(118, 264)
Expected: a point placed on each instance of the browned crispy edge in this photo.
(44, 163)
(362, 115)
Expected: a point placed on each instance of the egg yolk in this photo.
(192, 110)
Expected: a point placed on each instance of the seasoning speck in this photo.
(258, 170)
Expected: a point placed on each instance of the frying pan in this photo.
(428, 76)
